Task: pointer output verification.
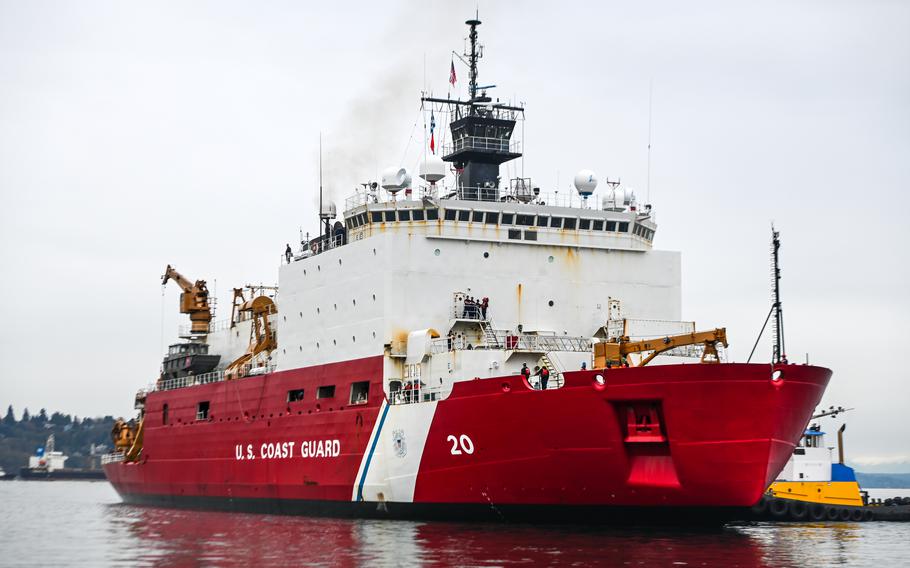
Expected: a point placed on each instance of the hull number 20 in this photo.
(461, 445)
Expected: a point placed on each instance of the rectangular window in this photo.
(432, 214)
(404, 215)
(326, 391)
(363, 218)
(164, 413)
(530, 235)
(450, 214)
(556, 222)
(390, 216)
(611, 226)
(464, 215)
(492, 218)
(202, 410)
(525, 220)
(584, 224)
(569, 223)
(418, 214)
(598, 225)
(295, 395)
(507, 218)
(360, 392)
(478, 217)
(624, 227)
(515, 234)
(543, 221)
(376, 216)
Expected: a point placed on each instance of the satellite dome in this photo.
(432, 169)
(616, 199)
(395, 179)
(585, 182)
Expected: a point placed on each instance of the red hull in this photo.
(680, 436)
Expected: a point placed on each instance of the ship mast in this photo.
(780, 352)
(473, 56)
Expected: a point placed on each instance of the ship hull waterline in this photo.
(672, 443)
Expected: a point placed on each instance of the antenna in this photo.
(320, 176)
(474, 55)
(648, 189)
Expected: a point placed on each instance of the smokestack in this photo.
(840, 444)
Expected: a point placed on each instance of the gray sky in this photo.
(137, 135)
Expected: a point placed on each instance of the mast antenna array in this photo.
(473, 56)
(780, 352)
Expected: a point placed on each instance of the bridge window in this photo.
(507, 218)
(404, 215)
(556, 222)
(624, 227)
(530, 235)
(478, 217)
(376, 216)
(464, 215)
(418, 214)
(432, 214)
(492, 218)
(295, 395)
(360, 392)
(515, 234)
(326, 391)
(202, 410)
(611, 226)
(569, 223)
(450, 214)
(598, 225)
(525, 220)
(584, 224)
(543, 221)
(390, 216)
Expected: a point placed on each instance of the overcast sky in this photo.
(133, 135)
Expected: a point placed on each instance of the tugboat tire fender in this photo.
(831, 513)
(778, 508)
(798, 510)
(843, 514)
(856, 515)
(817, 512)
(868, 515)
(761, 507)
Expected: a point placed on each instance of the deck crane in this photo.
(193, 301)
(614, 352)
(262, 336)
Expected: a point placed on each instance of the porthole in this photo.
(486, 254)
(550, 303)
(550, 259)
(777, 375)
(436, 252)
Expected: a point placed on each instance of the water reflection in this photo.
(166, 537)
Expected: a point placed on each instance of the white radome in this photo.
(432, 169)
(394, 179)
(585, 182)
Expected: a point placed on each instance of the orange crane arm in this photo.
(193, 301)
(616, 351)
(171, 274)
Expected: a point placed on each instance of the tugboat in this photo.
(6, 476)
(467, 346)
(814, 487)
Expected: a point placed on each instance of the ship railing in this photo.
(376, 196)
(484, 143)
(213, 377)
(114, 457)
(512, 341)
(419, 393)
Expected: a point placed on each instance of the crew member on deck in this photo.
(288, 254)
(525, 371)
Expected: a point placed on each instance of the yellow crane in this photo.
(193, 301)
(614, 352)
(262, 337)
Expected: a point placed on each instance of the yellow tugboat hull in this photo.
(826, 492)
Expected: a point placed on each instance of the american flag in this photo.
(432, 128)
(452, 77)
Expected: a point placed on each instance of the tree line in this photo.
(74, 436)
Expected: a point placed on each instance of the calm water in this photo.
(84, 524)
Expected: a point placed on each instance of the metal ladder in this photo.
(489, 337)
(555, 381)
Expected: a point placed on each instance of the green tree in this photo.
(26, 417)
(10, 418)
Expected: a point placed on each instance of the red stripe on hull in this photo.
(725, 432)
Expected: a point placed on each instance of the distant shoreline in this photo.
(883, 480)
